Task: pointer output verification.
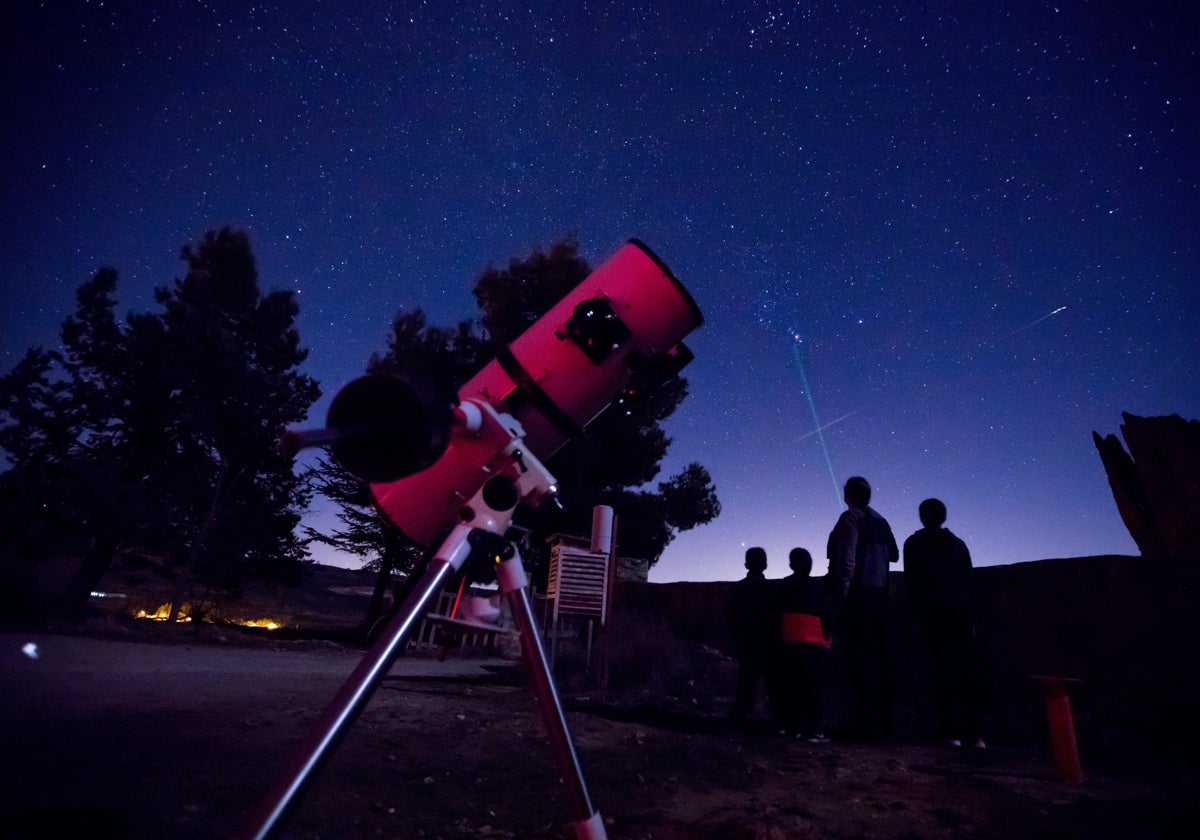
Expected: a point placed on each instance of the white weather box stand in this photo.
(580, 577)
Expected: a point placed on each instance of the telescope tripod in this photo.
(464, 544)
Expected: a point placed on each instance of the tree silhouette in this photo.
(162, 432)
(73, 485)
(365, 533)
(238, 351)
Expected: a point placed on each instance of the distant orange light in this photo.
(164, 612)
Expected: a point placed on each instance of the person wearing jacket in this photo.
(861, 549)
(803, 649)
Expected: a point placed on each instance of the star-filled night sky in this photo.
(936, 247)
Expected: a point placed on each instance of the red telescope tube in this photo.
(624, 323)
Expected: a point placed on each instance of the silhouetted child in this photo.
(937, 575)
(753, 625)
(803, 650)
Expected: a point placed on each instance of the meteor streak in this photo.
(1038, 321)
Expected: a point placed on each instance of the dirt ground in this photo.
(111, 738)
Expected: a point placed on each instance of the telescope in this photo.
(451, 476)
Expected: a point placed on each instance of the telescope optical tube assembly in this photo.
(623, 324)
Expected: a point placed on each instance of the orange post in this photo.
(1063, 748)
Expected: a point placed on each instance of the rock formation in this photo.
(1156, 484)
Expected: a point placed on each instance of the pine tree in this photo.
(161, 432)
(234, 352)
(70, 486)
(364, 532)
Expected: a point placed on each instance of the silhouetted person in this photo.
(937, 575)
(803, 650)
(861, 548)
(754, 624)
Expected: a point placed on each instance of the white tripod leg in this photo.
(357, 690)
(514, 584)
